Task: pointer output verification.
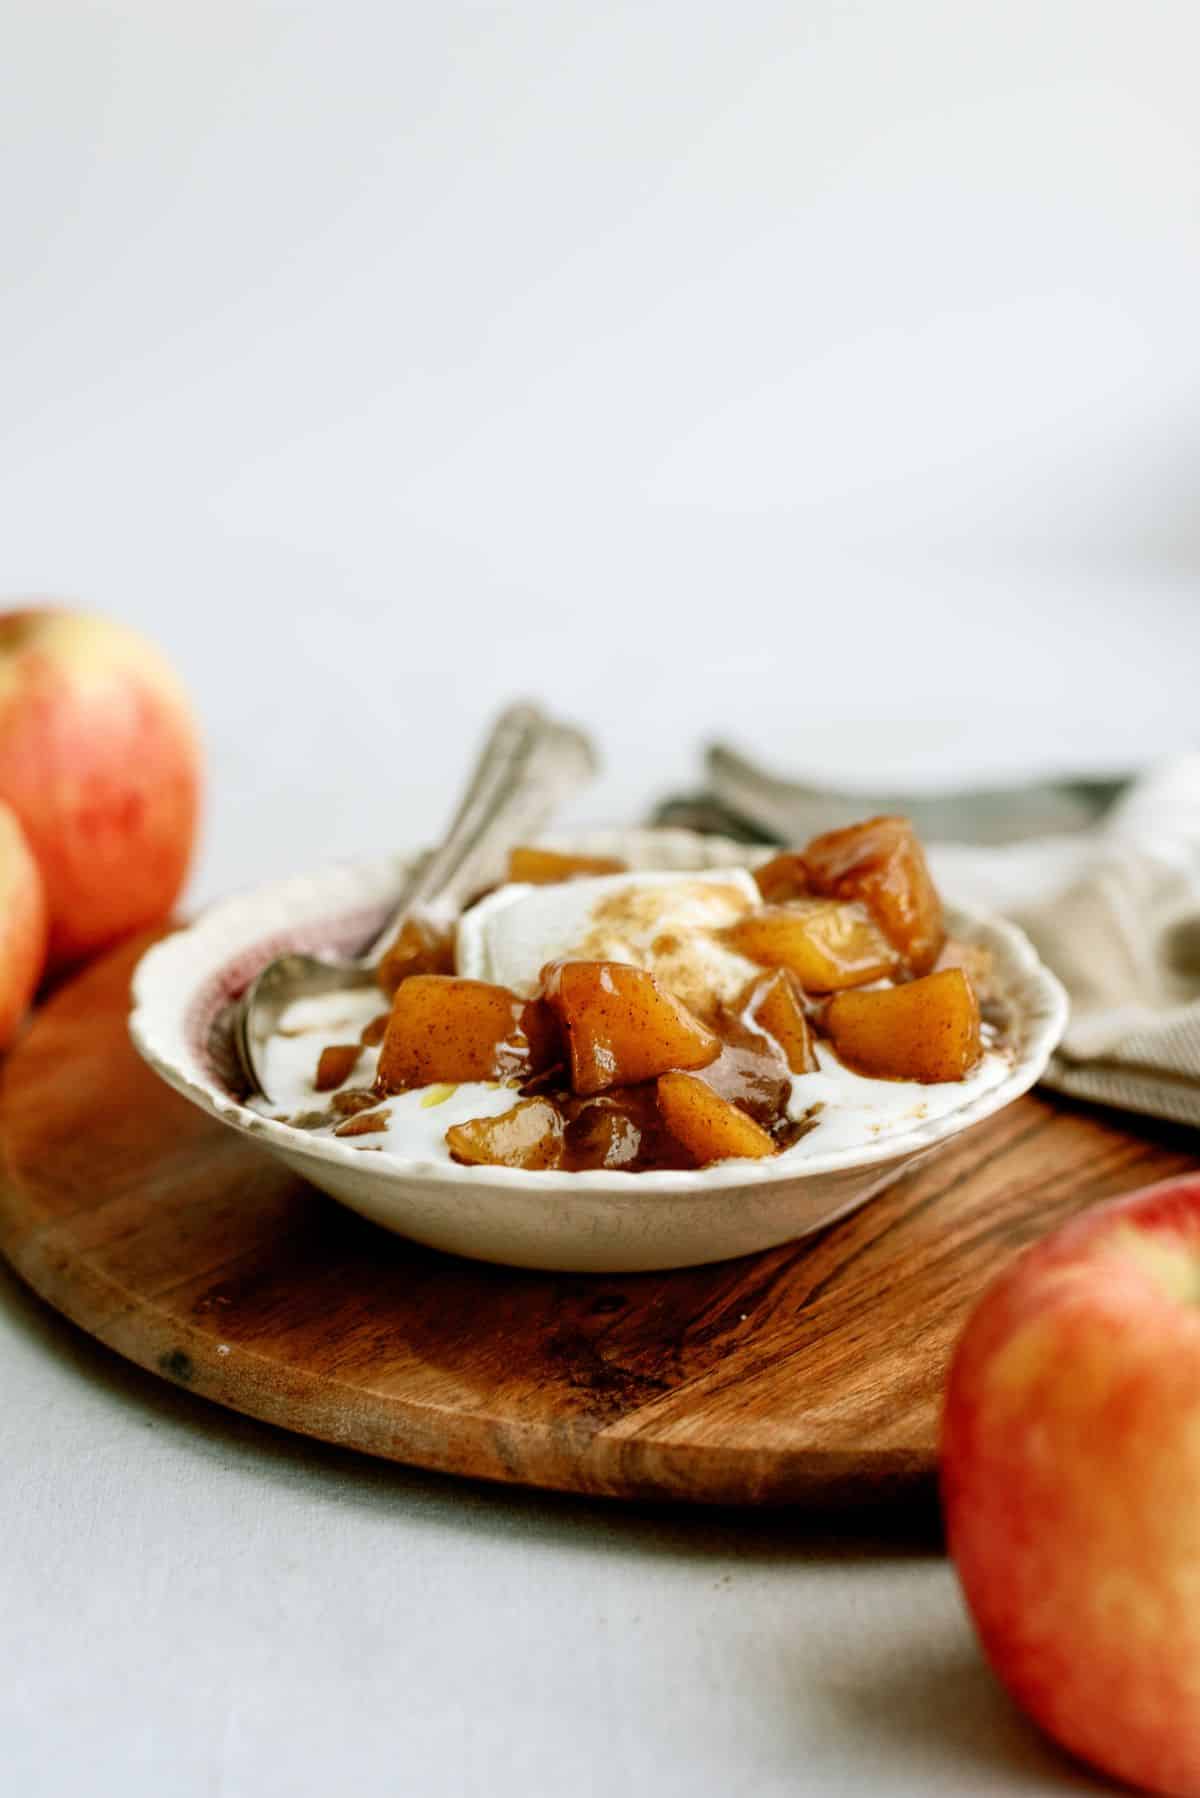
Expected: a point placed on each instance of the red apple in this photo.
(100, 760)
(1071, 1483)
(23, 926)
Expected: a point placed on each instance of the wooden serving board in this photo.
(809, 1373)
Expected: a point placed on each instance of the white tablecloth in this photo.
(197, 1605)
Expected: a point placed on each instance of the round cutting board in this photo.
(809, 1373)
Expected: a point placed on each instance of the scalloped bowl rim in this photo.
(173, 974)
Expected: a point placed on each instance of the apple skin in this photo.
(24, 927)
(100, 760)
(1071, 1483)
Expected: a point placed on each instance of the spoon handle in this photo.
(529, 762)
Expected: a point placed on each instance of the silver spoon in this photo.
(528, 764)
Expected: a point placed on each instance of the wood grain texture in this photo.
(811, 1373)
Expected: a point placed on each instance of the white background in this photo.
(825, 376)
(755, 369)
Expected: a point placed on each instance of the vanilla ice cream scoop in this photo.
(663, 922)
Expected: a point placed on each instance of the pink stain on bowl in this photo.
(343, 935)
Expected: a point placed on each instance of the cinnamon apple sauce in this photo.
(581, 1019)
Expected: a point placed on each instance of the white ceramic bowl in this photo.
(601, 1222)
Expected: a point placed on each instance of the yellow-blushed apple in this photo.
(23, 927)
(1071, 1483)
(100, 760)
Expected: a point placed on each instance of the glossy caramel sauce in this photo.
(622, 1128)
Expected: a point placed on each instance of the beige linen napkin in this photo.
(1115, 911)
(1108, 888)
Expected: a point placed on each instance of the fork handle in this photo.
(528, 764)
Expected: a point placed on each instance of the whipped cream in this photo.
(660, 922)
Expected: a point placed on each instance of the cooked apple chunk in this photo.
(783, 877)
(364, 1123)
(708, 1126)
(775, 1006)
(350, 1099)
(420, 948)
(621, 1026)
(927, 1030)
(543, 867)
(446, 1029)
(335, 1065)
(529, 1136)
(976, 962)
(882, 864)
(615, 1129)
(826, 943)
